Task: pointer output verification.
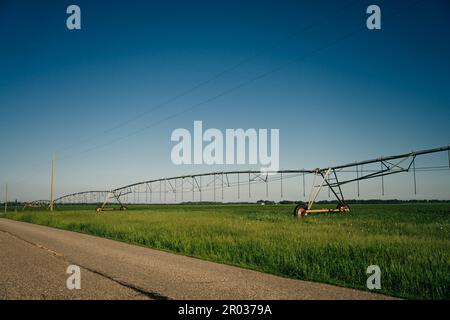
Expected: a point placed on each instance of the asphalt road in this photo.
(34, 260)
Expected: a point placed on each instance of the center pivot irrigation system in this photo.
(184, 188)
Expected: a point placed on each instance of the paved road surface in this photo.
(34, 260)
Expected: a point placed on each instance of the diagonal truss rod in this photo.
(386, 168)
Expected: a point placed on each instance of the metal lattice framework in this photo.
(37, 204)
(194, 187)
(181, 187)
(92, 196)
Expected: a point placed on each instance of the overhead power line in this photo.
(243, 83)
(203, 83)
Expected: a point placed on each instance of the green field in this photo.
(409, 242)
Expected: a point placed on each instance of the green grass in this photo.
(409, 242)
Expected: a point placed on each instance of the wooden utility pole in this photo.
(6, 198)
(52, 183)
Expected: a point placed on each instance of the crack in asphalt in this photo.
(150, 294)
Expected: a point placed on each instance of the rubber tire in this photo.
(298, 206)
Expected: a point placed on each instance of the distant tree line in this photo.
(373, 201)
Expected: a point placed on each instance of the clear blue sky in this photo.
(372, 93)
